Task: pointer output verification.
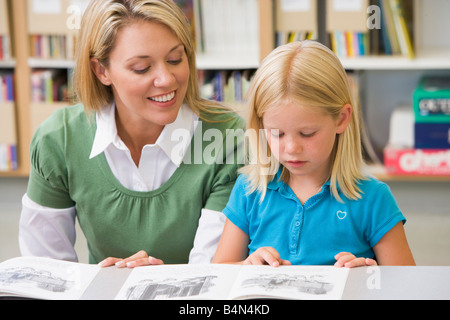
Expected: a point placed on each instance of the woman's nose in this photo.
(163, 78)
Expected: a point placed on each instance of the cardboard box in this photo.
(431, 162)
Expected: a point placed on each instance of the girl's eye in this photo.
(141, 71)
(276, 133)
(307, 135)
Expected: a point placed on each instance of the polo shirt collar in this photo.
(106, 133)
(276, 183)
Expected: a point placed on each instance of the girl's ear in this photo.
(100, 71)
(344, 118)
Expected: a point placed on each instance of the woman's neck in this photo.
(136, 135)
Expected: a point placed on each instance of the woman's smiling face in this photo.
(149, 72)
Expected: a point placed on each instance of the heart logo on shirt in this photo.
(341, 215)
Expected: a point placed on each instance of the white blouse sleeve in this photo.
(210, 228)
(47, 232)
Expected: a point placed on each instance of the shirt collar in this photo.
(106, 134)
(277, 183)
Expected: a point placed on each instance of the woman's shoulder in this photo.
(223, 119)
(61, 123)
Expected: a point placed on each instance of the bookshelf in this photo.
(385, 81)
(30, 20)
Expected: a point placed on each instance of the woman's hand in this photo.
(136, 260)
(265, 255)
(348, 260)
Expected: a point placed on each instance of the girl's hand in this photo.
(137, 260)
(348, 260)
(265, 255)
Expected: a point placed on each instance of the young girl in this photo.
(310, 203)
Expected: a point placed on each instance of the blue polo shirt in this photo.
(313, 233)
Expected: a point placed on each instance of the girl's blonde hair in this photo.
(99, 27)
(311, 74)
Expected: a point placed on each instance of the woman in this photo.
(118, 161)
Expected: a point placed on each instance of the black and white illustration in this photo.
(314, 285)
(44, 280)
(170, 288)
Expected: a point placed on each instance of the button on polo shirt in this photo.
(313, 233)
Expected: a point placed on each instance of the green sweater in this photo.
(116, 221)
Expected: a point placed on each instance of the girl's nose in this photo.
(292, 146)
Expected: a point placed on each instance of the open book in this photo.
(50, 279)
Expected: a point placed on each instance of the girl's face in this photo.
(302, 138)
(148, 72)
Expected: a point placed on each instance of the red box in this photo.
(435, 162)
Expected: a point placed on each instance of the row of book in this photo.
(225, 86)
(8, 157)
(6, 87)
(223, 26)
(5, 48)
(350, 44)
(52, 46)
(388, 31)
(50, 85)
(283, 37)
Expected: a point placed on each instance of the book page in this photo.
(187, 282)
(46, 279)
(290, 282)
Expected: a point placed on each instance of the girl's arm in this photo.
(233, 248)
(391, 250)
(233, 245)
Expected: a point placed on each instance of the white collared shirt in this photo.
(158, 161)
(157, 164)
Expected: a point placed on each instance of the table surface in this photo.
(364, 283)
(398, 283)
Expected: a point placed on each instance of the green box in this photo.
(431, 100)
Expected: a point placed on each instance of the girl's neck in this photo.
(306, 186)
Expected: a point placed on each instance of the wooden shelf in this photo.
(430, 59)
(380, 173)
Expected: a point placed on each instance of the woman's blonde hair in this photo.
(99, 27)
(311, 74)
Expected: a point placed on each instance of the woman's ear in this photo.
(100, 71)
(344, 118)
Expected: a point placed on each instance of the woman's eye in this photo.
(141, 71)
(174, 62)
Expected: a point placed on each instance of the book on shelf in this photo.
(5, 47)
(295, 21)
(351, 34)
(50, 85)
(416, 148)
(227, 27)
(412, 161)
(6, 86)
(8, 137)
(48, 279)
(52, 33)
(52, 46)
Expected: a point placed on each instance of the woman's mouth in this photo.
(163, 98)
